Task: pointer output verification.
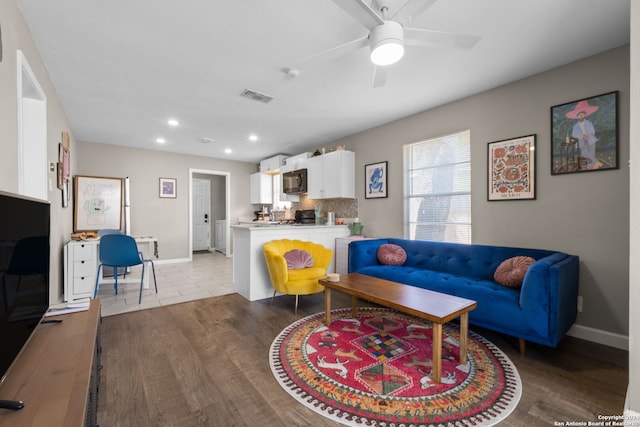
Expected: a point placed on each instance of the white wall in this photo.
(633, 394)
(586, 214)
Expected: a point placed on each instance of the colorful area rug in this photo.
(375, 370)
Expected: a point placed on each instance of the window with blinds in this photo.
(438, 189)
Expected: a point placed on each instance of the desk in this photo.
(81, 264)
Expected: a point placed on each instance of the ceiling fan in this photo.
(388, 24)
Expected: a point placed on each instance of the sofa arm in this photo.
(550, 291)
(364, 253)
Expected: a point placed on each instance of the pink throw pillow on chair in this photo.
(297, 259)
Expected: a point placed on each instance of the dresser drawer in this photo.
(83, 252)
(84, 286)
(84, 268)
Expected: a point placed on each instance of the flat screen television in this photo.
(24, 275)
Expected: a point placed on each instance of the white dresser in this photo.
(81, 266)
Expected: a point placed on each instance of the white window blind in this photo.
(438, 189)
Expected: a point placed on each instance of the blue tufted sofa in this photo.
(541, 311)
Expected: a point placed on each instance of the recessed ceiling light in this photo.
(161, 140)
(173, 122)
(253, 137)
(228, 150)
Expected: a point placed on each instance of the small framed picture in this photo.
(375, 181)
(168, 188)
(584, 135)
(512, 169)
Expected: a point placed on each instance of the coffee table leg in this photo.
(327, 306)
(354, 306)
(464, 333)
(436, 357)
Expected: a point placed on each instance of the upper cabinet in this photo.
(272, 164)
(331, 175)
(261, 188)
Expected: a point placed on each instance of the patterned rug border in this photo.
(512, 378)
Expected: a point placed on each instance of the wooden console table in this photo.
(57, 374)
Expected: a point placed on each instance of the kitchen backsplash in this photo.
(343, 208)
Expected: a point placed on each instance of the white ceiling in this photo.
(121, 68)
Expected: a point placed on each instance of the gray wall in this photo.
(16, 35)
(584, 214)
(166, 219)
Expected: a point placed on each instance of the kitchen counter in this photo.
(276, 224)
(250, 274)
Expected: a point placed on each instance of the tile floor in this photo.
(209, 274)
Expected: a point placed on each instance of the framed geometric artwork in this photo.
(168, 188)
(375, 181)
(584, 135)
(512, 169)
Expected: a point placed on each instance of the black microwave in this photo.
(294, 182)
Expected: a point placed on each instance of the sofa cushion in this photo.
(390, 254)
(511, 271)
(297, 259)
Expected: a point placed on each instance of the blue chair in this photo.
(121, 251)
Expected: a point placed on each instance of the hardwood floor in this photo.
(205, 363)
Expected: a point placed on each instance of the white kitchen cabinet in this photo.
(331, 175)
(261, 188)
(272, 164)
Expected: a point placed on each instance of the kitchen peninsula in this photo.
(250, 275)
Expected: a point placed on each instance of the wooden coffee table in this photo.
(436, 307)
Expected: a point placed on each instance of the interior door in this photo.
(201, 214)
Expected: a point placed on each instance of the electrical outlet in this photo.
(579, 304)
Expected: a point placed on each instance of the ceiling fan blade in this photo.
(379, 76)
(410, 9)
(361, 12)
(439, 39)
(335, 52)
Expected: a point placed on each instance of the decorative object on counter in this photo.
(584, 135)
(296, 282)
(512, 169)
(375, 181)
(317, 153)
(331, 218)
(168, 188)
(356, 227)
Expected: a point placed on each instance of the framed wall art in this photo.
(375, 181)
(97, 203)
(512, 169)
(584, 135)
(168, 188)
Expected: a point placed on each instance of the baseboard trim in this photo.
(599, 336)
(171, 261)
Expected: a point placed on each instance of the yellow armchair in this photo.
(302, 281)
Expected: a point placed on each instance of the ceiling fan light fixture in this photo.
(387, 43)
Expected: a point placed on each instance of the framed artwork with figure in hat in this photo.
(584, 135)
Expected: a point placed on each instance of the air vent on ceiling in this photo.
(256, 96)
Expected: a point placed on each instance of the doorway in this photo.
(32, 133)
(201, 214)
(219, 209)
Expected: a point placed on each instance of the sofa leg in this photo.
(521, 345)
(295, 310)
(273, 298)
